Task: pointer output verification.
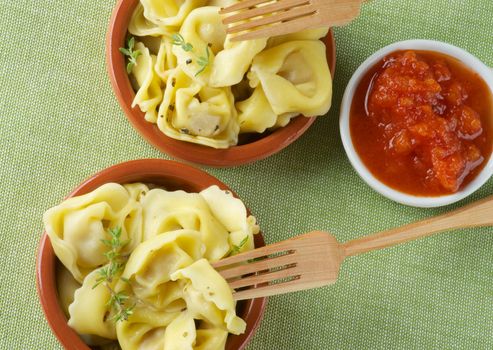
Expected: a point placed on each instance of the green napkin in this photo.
(60, 123)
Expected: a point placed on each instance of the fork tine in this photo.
(242, 5)
(278, 17)
(302, 283)
(287, 27)
(267, 9)
(240, 270)
(290, 271)
(279, 247)
(307, 261)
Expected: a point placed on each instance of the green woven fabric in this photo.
(60, 123)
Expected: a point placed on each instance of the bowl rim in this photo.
(462, 55)
(186, 151)
(46, 260)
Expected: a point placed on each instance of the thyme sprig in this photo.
(131, 54)
(236, 248)
(203, 61)
(178, 40)
(118, 301)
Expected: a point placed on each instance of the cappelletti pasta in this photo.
(176, 298)
(199, 86)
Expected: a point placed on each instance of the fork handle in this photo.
(474, 215)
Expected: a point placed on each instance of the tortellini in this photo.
(198, 113)
(66, 286)
(145, 329)
(140, 26)
(193, 87)
(293, 77)
(232, 214)
(205, 32)
(209, 292)
(231, 64)
(169, 13)
(177, 299)
(149, 94)
(77, 226)
(307, 34)
(89, 310)
(167, 211)
(165, 60)
(255, 113)
(150, 265)
(181, 333)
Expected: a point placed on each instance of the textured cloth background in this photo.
(60, 123)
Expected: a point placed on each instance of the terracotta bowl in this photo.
(252, 147)
(172, 176)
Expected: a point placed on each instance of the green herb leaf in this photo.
(123, 314)
(178, 40)
(254, 260)
(136, 54)
(98, 282)
(125, 51)
(200, 70)
(202, 61)
(115, 232)
(130, 66)
(131, 55)
(106, 242)
(106, 275)
(131, 43)
(236, 248)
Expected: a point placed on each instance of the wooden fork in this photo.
(313, 259)
(265, 18)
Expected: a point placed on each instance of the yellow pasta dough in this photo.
(177, 299)
(307, 34)
(201, 73)
(255, 113)
(165, 60)
(88, 311)
(204, 30)
(149, 94)
(140, 26)
(209, 296)
(77, 226)
(198, 113)
(293, 76)
(169, 13)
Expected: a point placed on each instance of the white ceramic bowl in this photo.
(424, 45)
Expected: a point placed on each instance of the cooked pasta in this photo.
(77, 226)
(190, 86)
(293, 77)
(149, 94)
(178, 300)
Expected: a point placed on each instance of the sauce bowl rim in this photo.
(472, 62)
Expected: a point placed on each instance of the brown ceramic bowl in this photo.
(250, 149)
(172, 176)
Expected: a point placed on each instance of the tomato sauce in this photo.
(421, 122)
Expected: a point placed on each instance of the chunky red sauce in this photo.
(421, 122)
